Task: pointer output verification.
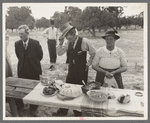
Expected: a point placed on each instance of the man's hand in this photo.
(108, 75)
(61, 40)
(87, 67)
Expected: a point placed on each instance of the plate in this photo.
(48, 95)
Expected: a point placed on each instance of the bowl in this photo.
(45, 80)
(97, 95)
(85, 89)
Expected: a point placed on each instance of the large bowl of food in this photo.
(90, 86)
(97, 95)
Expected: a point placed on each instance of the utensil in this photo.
(139, 94)
(83, 82)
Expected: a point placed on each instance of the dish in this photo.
(124, 99)
(90, 86)
(97, 95)
(63, 98)
(48, 95)
(49, 91)
(47, 83)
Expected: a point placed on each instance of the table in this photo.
(23, 89)
(17, 88)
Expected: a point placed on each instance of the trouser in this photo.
(31, 75)
(8, 69)
(67, 54)
(75, 76)
(52, 50)
(64, 111)
(100, 77)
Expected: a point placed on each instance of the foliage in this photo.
(17, 16)
(43, 22)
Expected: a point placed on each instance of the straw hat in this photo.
(111, 33)
(66, 28)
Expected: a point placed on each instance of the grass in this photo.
(131, 42)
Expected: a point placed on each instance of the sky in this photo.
(47, 9)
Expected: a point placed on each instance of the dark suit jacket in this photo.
(35, 54)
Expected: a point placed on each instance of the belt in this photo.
(51, 39)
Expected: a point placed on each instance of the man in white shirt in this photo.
(51, 35)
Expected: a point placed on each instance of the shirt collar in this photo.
(26, 42)
(107, 51)
(51, 28)
(75, 42)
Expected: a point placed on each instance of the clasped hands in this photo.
(109, 74)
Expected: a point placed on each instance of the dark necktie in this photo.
(25, 45)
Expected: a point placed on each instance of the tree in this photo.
(93, 18)
(118, 11)
(69, 15)
(43, 22)
(11, 23)
(90, 19)
(30, 21)
(17, 16)
(140, 19)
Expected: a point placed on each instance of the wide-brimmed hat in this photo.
(111, 33)
(66, 28)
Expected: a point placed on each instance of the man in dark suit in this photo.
(29, 54)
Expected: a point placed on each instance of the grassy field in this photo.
(131, 42)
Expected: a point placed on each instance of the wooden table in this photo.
(17, 88)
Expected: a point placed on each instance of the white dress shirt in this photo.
(110, 59)
(26, 43)
(85, 46)
(50, 33)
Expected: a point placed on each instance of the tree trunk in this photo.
(99, 29)
(126, 27)
(135, 27)
(93, 29)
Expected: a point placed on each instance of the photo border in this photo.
(1, 44)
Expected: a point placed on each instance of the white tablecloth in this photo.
(110, 107)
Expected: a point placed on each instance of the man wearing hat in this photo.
(110, 61)
(65, 41)
(51, 35)
(77, 48)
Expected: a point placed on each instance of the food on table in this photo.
(90, 86)
(93, 85)
(111, 97)
(124, 99)
(97, 95)
(45, 80)
(70, 91)
(49, 90)
(63, 98)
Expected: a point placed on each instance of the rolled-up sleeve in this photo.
(61, 49)
(45, 33)
(123, 61)
(86, 46)
(96, 58)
